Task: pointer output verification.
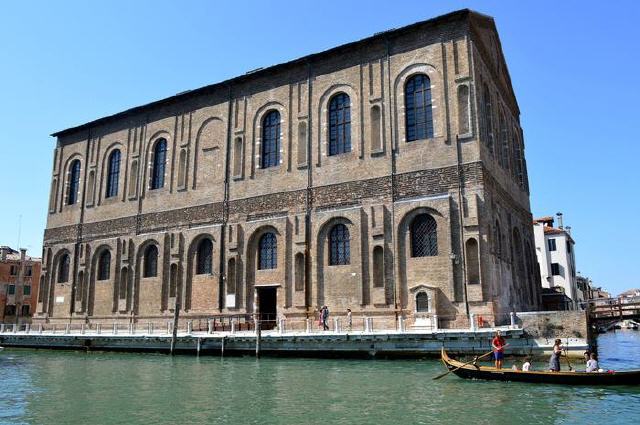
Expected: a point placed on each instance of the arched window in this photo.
(424, 236)
(488, 118)
(473, 266)
(271, 139)
(204, 260)
(376, 134)
(267, 252)
(159, 162)
(339, 124)
(63, 269)
(418, 108)
(339, 245)
(150, 261)
(133, 180)
(378, 267)
(464, 126)
(113, 173)
(422, 302)
(104, 265)
(74, 182)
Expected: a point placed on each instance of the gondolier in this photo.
(498, 343)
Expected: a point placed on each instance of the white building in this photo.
(556, 259)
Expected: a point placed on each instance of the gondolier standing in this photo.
(498, 343)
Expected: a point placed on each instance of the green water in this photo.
(52, 387)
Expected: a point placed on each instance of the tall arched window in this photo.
(159, 163)
(422, 302)
(473, 265)
(63, 269)
(271, 139)
(339, 245)
(339, 124)
(113, 173)
(418, 108)
(488, 118)
(74, 182)
(104, 265)
(204, 260)
(267, 252)
(464, 125)
(424, 236)
(150, 262)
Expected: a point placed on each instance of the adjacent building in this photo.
(19, 280)
(386, 175)
(556, 260)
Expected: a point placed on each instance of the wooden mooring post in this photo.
(258, 338)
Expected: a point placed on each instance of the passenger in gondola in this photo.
(592, 363)
(498, 343)
(554, 361)
(526, 366)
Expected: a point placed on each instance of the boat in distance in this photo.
(472, 371)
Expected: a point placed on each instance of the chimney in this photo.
(3, 253)
(23, 254)
(559, 215)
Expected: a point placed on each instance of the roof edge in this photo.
(456, 14)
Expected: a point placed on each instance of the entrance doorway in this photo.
(267, 306)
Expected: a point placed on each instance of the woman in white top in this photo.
(527, 364)
(592, 363)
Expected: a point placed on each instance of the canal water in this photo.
(54, 387)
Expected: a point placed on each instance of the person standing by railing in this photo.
(324, 315)
(349, 320)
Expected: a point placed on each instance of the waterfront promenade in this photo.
(367, 342)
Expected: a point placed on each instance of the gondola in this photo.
(471, 371)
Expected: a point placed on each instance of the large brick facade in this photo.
(469, 176)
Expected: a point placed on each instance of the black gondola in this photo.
(471, 371)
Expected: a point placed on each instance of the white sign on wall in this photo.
(230, 300)
(59, 300)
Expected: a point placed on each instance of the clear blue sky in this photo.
(574, 67)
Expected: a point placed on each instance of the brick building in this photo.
(19, 279)
(385, 175)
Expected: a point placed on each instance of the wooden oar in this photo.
(459, 367)
(566, 356)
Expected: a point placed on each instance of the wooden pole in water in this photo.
(176, 316)
(222, 347)
(258, 338)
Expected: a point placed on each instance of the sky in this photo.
(573, 65)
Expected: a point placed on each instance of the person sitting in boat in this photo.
(526, 366)
(592, 363)
(554, 361)
(515, 367)
(498, 343)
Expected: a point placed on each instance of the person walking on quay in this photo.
(349, 320)
(498, 343)
(554, 361)
(324, 315)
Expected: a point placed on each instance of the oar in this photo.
(468, 363)
(566, 356)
